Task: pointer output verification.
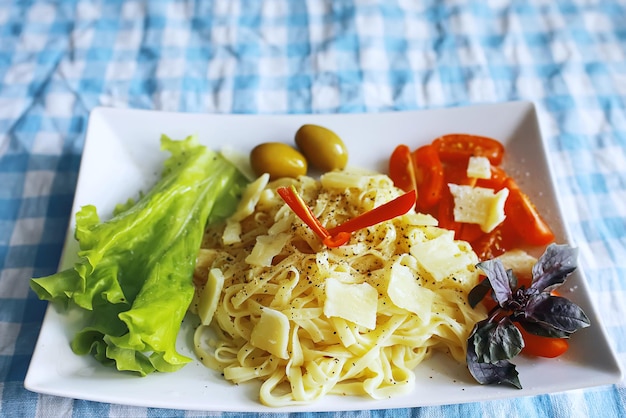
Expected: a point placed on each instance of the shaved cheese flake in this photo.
(271, 333)
(519, 261)
(250, 197)
(266, 247)
(444, 258)
(479, 205)
(353, 302)
(210, 295)
(282, 224)
(479, 168)
(422, 219)
(232, 232)
(343, 180)
(247, 204)
(406, 293)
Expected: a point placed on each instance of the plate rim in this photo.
(614, 373)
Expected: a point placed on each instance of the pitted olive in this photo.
(322, 147)
(278, 160)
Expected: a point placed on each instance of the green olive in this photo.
(278, 160)
(322, 147)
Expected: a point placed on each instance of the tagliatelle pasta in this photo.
(279, 307)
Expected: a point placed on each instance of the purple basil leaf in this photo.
(542, 329)
(512, 279)
(555, 312)
(478, 292)
(553, 267)
(500, 372)
(495, 341)
(498, 278)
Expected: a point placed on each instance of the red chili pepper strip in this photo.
(337, 240)
(339, 235)
(396, 207)
(300, 208)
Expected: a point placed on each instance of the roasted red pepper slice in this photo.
(496, 242)
(470, 232)
(528, 223)
(539, 346)
(457, 174)
(496, 181)
(445, 213)
(457, 148)
(402, 168)
(429, 177)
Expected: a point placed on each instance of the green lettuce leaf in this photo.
(133, 278)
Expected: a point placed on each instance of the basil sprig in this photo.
(496, 339)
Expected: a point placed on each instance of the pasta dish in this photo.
(279, 307)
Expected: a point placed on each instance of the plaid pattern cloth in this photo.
(60, 59)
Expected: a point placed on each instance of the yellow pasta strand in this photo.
(332, 355)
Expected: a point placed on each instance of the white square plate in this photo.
(122, 157)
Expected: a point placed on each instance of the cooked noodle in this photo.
(307, 320)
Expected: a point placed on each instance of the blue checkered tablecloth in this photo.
(60, 59)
